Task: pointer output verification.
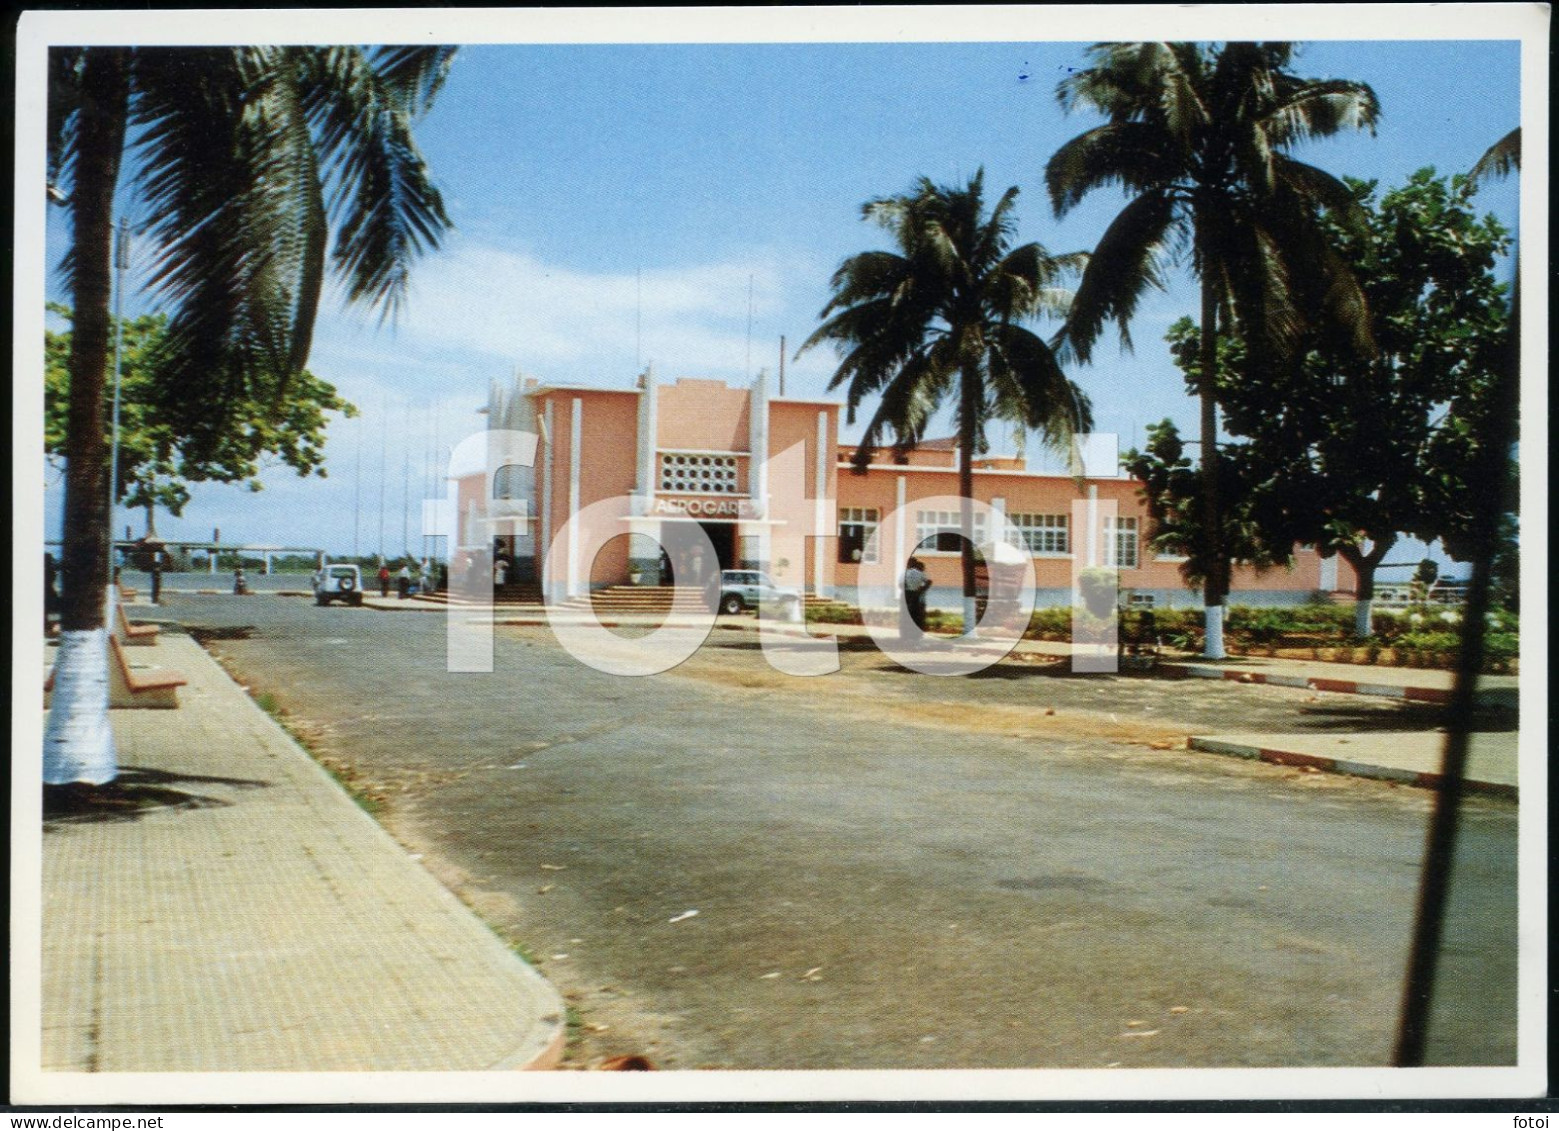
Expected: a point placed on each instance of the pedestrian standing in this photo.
(384, 581)
(156, 577)
(916, 583)
(403, 582)
(51, 596)
(500, 572)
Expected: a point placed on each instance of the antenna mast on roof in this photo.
(638, 319)
(749, 327)
(782, 366)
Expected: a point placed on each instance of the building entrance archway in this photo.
(689, 558)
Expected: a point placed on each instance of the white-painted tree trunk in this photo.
(971, 616)
(78, 743)
(1213, 620)
(1364, 618)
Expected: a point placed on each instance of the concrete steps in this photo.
(658, 599)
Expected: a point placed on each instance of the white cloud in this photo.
(566, 324)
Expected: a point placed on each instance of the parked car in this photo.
(742, 589)
(338, 583)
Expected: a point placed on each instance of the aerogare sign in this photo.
(703, 508)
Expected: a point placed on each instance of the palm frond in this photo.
(380, 191)
(908, 403)
(1021, 284)
(1132, 155)
(1029, 386)
(1316, 186)
(64, 103)
(1307, 109)
(413, 75)
(869, 275)
(1499, 159)
(1127, 263)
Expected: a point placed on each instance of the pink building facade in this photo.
(768, 483)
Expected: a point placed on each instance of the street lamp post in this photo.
(121, 264)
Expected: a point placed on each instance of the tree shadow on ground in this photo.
(132, 795)
(793, 643)
(204, 632)
(1410, 716)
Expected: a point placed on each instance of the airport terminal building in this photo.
(767, 480)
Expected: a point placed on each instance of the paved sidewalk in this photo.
(250, 917)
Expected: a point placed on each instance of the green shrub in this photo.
(1100, 588)
(832, 614)
(1050, 624)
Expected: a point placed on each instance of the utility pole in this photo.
(406, 487)
(357, 491)
(749, 327)
(384, 463)
(782, 365)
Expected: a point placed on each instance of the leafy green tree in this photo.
(1348, 452)
(1197, 135)
(154, 471)
(941, 317)
(1172, 489)
(244, 158)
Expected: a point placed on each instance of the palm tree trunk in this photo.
(78, 745)
(1215, 585)
(968, 407)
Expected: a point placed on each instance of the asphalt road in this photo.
(891, 871)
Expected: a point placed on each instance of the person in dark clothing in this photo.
(51, 596)
(916, 582)
(156, 577)
(384, 581)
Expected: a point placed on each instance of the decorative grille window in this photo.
(1040, 533)
(699, 474)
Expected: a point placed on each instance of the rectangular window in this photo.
(940, 532)
(1120, 542)
(1040, 533)
(858, 534)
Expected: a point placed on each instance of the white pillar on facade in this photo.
(544, 543)
(648, 444)
(575, 432)
(900, 529)
(818, 558)
(1093, 534)
(758, 445)
(1328, 579)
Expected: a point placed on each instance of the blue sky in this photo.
(618, 204)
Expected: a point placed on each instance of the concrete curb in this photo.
(1309, 683)
(1279, 757)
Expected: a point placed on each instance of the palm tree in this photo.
(1197, 135)
(243, 157)
(941, 316)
